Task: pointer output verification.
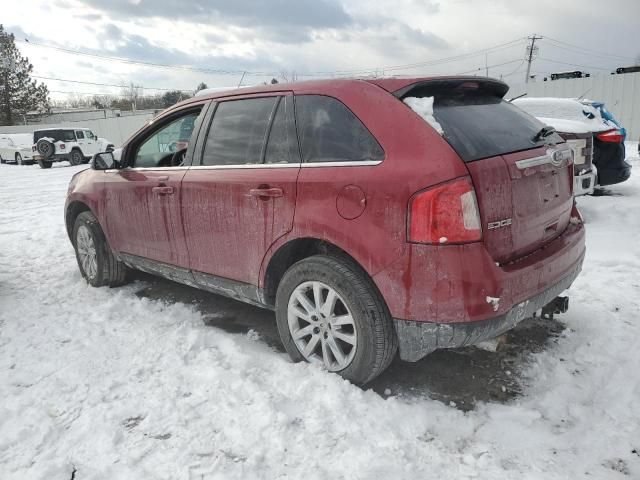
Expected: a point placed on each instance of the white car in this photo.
(16, 148)
(75, 145)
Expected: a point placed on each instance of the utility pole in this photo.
(531, 51)
(486, 64)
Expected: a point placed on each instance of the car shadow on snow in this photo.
(460, 378)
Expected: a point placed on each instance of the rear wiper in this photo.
(543, 133)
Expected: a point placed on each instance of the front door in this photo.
(241, 197)
(143, 199)
(83, 143)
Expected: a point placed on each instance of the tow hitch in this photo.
(555, 306)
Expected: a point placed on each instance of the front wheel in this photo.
(329, 312)
(96, 261)
(19, 159)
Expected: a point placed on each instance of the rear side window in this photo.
(330, 132)
(479, 124)
(80, 135)
(238, 131)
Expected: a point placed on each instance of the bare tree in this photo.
(132, 93)
(288, 77)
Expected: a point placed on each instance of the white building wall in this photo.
(620, 94)
(115, 129)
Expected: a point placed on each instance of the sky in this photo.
(226, 43)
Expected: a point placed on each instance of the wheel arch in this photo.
(295, 250)
(72, 211)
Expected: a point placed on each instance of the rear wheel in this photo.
(19, 159)
(96, 261)
(76, 158)
(329, 312)
(45, 163)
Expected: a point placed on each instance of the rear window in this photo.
(57, 135)
(479, 124)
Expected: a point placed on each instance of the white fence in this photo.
(116, 129)
(620, 94)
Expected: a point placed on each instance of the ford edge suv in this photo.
(373, 217)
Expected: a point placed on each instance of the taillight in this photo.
(447, 213)
(611, 136)
(61, 146)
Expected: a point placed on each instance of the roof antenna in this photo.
(515, 98)
(582, 96)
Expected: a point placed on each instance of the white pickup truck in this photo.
(75, 145)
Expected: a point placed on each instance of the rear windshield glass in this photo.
(57, 135)
(479, 124)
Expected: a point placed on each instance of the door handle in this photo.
(162, 190)
(266, 192)
(162, 178)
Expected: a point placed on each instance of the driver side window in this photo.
(168, 145)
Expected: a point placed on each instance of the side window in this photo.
(282, 143)
(330, 132)
(68, 136)
(158, 150)
(90, 135)
(79, 134)
(237, 133)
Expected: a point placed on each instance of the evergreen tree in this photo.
(19, 94)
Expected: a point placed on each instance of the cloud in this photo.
(285, 21)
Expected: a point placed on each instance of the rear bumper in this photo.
(584, 182)
(417, 339)
(612, 175)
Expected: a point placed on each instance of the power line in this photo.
(259, 73)
(110, 84)
(490, 66)
(95, 94)
(575, 64)
(587, 50)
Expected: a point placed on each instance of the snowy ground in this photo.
(119, 385)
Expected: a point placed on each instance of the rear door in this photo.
(241, 197)
(523, 175)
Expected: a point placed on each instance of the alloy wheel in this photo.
(87, 251)
(321, 325)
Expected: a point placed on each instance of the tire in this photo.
(45, 148)
(19, 159)
(100, 267)
(76, 158)
(2, 160)
(372, 341)
(45, 163)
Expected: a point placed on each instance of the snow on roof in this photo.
(564, 109)
(423, 106)
(566, 126)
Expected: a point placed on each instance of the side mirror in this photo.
(104, 161)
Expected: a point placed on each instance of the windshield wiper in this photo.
(543, 133)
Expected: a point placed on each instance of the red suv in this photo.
(367, 228)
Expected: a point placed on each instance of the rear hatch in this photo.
(522, 171)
